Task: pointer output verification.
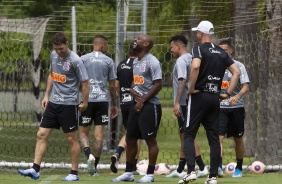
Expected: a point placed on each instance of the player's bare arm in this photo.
(117, 88)
(157, 86)
(85, 94)
(180, 90)
(194, 72)
(234, 70)
(47, 92)
(113, 92)
(244, 90)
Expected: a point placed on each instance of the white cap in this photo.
(205, 27)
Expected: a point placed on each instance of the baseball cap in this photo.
(205, 27)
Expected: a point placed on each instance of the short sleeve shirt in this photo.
(214, 61)
(244, 78)
(100, 69)
(145, 71)
(66, 75)
(125, 78)
(181, 70)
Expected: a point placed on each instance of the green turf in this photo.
(55, 177)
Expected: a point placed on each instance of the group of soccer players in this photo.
(208, 89)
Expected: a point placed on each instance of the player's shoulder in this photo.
(86, 56)
(238, 63)
(152, 58)
(74, 57)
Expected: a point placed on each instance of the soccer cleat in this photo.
(175, 174)
(237, 173)
(202, 173)
(188, 178)
(136, 172)
(29, 172)
(96, 174)
(211, 180)
(127, 176)
(91, 165)
(71, 177)
(220, 172)
(114, 164)
(148, 178)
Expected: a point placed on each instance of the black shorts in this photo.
(231, 122)
(144, 124)
(97, 111)
(58, 115)
(182, 118)
(125, 110)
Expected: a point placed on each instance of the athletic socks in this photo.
(87, 152)
(73, 172)
(36, 167)
(134, 166)
(97, 159)
(119, 150)
(181, 165)
(200, 162)
(239, 163)
(151, 169)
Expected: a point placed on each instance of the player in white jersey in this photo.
(101, 72)
(144, 120)
(181, 72)
(66, 72)
(232, 111)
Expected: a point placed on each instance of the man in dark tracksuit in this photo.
(209, 63)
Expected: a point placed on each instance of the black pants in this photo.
(202, 108)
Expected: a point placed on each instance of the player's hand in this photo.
(223, 97)
(82, 106)
(44, 103)
(233, 100)
(114, 111)
(176, 110)
(139, 105)
(135, 95)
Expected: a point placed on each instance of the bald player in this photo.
(144, 119)
(101, 72)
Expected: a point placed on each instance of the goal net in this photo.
(24, 58)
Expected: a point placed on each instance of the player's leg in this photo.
(211, 125)
(179, 172)
(40, 149)
(85, 122)
(98, 143)
(149, 121)
(75, 155)
(238, 121)
(132, 135)
(203, 170)
(223, 127)
(68, 121)
(47, 124)
(122, 143)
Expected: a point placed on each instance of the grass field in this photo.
(55, 177)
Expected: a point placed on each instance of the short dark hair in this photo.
(59, 38)
(100, 36)
(179, 38)
(228, 43)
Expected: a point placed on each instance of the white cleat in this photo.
(175, 174)
(91, 165)
(202, 173)
(188, 178)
